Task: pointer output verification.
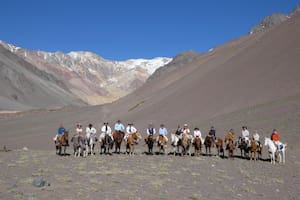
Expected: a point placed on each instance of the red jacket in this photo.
(275, 136)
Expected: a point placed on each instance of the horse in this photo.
(62, 141)
(276, 150)
(219, 146)
(230, 146)
(161, 143)
(198, 146)
(78, 144)
(185, 144)
(253, 150)
(243, 146)
(208, 142)
(271, 149)
(131, 140)
(105, 144)
(175, 142)
(90, 144)
(150, 142)
(259, 150)
(118, 138)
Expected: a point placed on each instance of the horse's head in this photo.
(138, 135)
(266, 141)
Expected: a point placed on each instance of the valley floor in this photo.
(145, 177)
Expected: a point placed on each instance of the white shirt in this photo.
(256, 137)
(90, 131)
(197, 133)
(106, 129)
(79, 130)
(130, 129)
(186, 130)
(245, 133)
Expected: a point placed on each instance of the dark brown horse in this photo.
(219, 146)
(118, 138)
(208, 142)
(62, 141)
(106, 144)
(131, 140)
(150, 143)
(198, 146)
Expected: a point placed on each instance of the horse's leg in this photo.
(283, 156)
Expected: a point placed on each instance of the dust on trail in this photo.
(144, 177)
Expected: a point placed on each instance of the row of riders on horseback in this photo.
(182, 138)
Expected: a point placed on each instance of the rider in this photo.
(105, 129)
(90, 132)
(162, 131)
(230, 136)
(212, 133)
(129, 130)
(119, 127)
(177, 136)
(245, 135)
(150, 131)
(187, 131)
(79, 129)
(60, 131)
(275, 137)
(255, 137)
(197, 133)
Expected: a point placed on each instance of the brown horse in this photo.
(131, 140)
(162, 142)
(230, 147)
(219, 146)
(259, 150)
(208, 142)
(62, 141)
(253, 150)
(185, 144)
(118, 138)
(198, 146)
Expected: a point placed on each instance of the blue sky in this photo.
(124, 29)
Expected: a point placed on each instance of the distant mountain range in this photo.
(87, 76)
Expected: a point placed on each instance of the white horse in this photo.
(174, 142)
(90, 141)
(273, 150)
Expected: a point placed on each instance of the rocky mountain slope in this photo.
(23, 86)
(90, 77)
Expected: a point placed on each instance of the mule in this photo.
(62, 142)
(198, 146)
(118, 138)
(208, 142)
(106, 144)
(131, 140)
(161, 143)
(219, 146)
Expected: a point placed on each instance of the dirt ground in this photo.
(142, 176)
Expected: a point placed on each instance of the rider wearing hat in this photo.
(129, 130)
(105, 130)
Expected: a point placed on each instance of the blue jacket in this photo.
(61, 130)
